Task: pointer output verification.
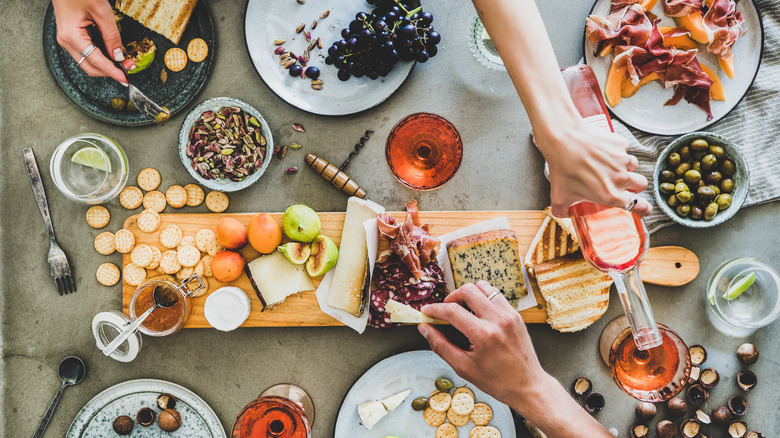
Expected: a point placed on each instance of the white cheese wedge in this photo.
(227, 308)
(351, 271)
(395, 400)
(275, 278)
(371, 412)
(402, 313)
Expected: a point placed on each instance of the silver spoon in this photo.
(162, 297)
(71, 371)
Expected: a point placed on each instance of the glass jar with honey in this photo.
(165, 321)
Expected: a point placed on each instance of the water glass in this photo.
(757, 306)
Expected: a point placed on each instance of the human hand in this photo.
(73, 17)
(589, 164)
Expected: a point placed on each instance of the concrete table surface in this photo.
(500, 170)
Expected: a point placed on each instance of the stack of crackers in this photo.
(576, 293)
(447, 412)
(180, 255)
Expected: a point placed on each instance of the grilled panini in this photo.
(169, 18)
(551, 241)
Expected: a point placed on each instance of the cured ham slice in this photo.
(410, 241)
(723, 19)
(627, 26)
(681, 8)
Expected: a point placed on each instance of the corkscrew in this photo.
(336, 175)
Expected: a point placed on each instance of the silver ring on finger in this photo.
(632, 203)
(491, 296)
(86, 52)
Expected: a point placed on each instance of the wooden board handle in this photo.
(669, 266)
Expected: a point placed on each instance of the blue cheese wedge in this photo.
(493, 256)
(371, 412)
(274, 278)
(403, 313)
(395, 400)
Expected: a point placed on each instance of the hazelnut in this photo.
(697, 395)
(737, 429)
(645, 411)
(690, 428)
(754, 434)
(582, 386)
(594, 402)
(698, 354)
(639, 431)
(721, 415)
(145, 417)
(702, 417)
(677, 407)
(694, 376)
(170, 420)
(123, 425)
(747, 354)
(738, 406)
(666, 429)
(747, 380)
(166, 401)
(709, 378)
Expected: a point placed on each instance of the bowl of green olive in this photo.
(701, 179)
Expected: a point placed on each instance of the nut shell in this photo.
(709, 378)
(582, 386)
(697, 395)
(645, 411)
(639, 431)
(166, 401)
(594, 402)
(145, 417)
(666, 429)
(702, 417)
(694, 376)
(747, 353)
(690, 428)
(677, 407)
(721, 416)
(747, 380)
(123, 425)
(754, 434)
(698, 354)
(738, 429)
(170, 420)
(738, 406)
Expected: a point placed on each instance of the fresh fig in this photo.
(296, 252)
(324, 255)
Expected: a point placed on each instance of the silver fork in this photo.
(58, 262)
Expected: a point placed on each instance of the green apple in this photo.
(324, 255)
(296, 252)
(301, 223)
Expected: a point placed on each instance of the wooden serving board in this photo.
(304, 310)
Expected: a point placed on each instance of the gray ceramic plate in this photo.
(93, 95)
(268, 20)
(96, 418)
(415, 370)
(646, 111)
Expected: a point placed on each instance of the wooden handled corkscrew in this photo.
(336, 175)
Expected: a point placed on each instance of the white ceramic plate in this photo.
(415, 370)
(646, 111)
(96, 418)
(269, 20)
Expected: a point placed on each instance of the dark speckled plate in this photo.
(93, 95)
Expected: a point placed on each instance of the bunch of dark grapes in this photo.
(374, 42)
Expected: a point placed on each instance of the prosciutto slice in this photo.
(725, 21)
(410, 241)
(620, 4)
(627, 26)
(681, 8)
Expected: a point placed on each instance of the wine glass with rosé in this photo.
(424, 151)
(281, 411)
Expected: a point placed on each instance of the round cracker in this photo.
(142, 255)
(204, 238)
(176, 196)
(440, 402)
(105, 243)
(217, 201)
(457, 419)
(489, 432)
(149, 179)
(148, 221)
(186, 241)
(155, 200)
(197, 50)
(434, 418)
(462, 404)
(156, 255)
(205, 262)
(133, 274)
(169, 262)
(98, 216)
(189, 256)
(446, 430)
(131, 197)
(184, 273)
(124, 241)
(475, 431)
(170, 236)
(195, 195)
(175, 59)
(482, 414)
(108, 274)
(463, 389)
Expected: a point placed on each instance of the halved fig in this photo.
(296, 252)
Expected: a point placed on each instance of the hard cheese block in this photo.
(493, 256)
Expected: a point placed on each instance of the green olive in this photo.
(723, 201)
(696, 213)
(674, 159)
(685, 153)
(130, 107)
(683, 210)
(701, 184)
(666, 188)
(713, 177)
(419, 404)
(682, 168)
(696, 165)
(710, 211)
(699, 155)
(714, 188)
(118, 103)
(666, 176)
(727, 185)
(684, 197)
(728, 167)
(672, 201)
(443, 384)
(706, 193)
(709, 162)
(699, 145)
(678, 181)
(692, 176)
(718, 151)
(681, 187)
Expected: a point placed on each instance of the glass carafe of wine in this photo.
(281, 411)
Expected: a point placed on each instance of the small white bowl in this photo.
(223, 184)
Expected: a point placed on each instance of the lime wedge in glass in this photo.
(92, 157)
(740, 286)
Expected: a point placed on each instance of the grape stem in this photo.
(408, 13)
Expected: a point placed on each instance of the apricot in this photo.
(264, 233)
(227, 266)
(231, 233)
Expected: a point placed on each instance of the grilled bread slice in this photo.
(551, 241)
(563, 222)
(576, 293)
(169, 18)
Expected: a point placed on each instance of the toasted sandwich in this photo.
(169, 18)
(551, 241)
